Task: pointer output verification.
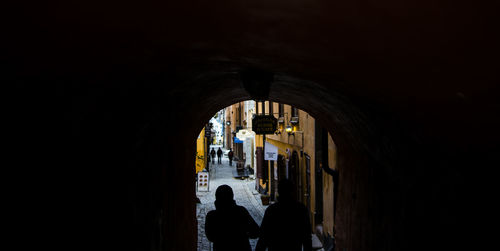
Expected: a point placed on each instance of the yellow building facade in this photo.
(297, 162)
(201, 149)
(298, 157)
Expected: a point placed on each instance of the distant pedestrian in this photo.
(230, 155)
(286, 224)
(229, 226)
(213, 155)
(219, 156)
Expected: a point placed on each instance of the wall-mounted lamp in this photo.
(228, 123)
(289, 130)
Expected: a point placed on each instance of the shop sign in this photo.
(264, 124)
(244, 133)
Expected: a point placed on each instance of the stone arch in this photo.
(352, 131)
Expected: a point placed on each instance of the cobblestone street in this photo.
(244, 194)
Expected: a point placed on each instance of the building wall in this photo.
(249, 142)
(229, 128)
(201, 149)
(238, 116)
(303, 142)
(328, 196)
(307, 125)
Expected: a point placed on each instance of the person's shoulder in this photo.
(291, 205)
(273, 207)
(241, 209)
(300, 205)
(212, 213)
(302, 208)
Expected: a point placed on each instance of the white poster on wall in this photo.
(270, 152)
(203, 181)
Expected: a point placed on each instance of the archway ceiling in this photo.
(412, 56)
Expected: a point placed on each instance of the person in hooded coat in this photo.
(229, 226)
(286, 225)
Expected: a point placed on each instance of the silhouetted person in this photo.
(230, 155)
(219, 156)
(213, 155)
(286, 224)
(229, 226)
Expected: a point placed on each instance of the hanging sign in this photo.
(244, 133)
(264, 124)
(270, 152)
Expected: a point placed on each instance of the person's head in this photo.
(224, 196)
(285, 190)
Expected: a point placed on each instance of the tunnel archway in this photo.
(410, 91)
(144, 159)
(364, 164)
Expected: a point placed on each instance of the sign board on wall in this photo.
(264, 124)
(270, 152)
(203, 181)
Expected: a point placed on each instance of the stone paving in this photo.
(244, 194)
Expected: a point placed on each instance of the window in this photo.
(295, 112)
(294, 120)
(271, 108)
(260, 107)
(281, 110)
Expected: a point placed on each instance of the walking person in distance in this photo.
(219, 156)
(213, 155)
(230, 155)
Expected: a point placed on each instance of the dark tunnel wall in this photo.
(109, 96)
(130, 166)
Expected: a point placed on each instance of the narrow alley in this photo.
(244, 194)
